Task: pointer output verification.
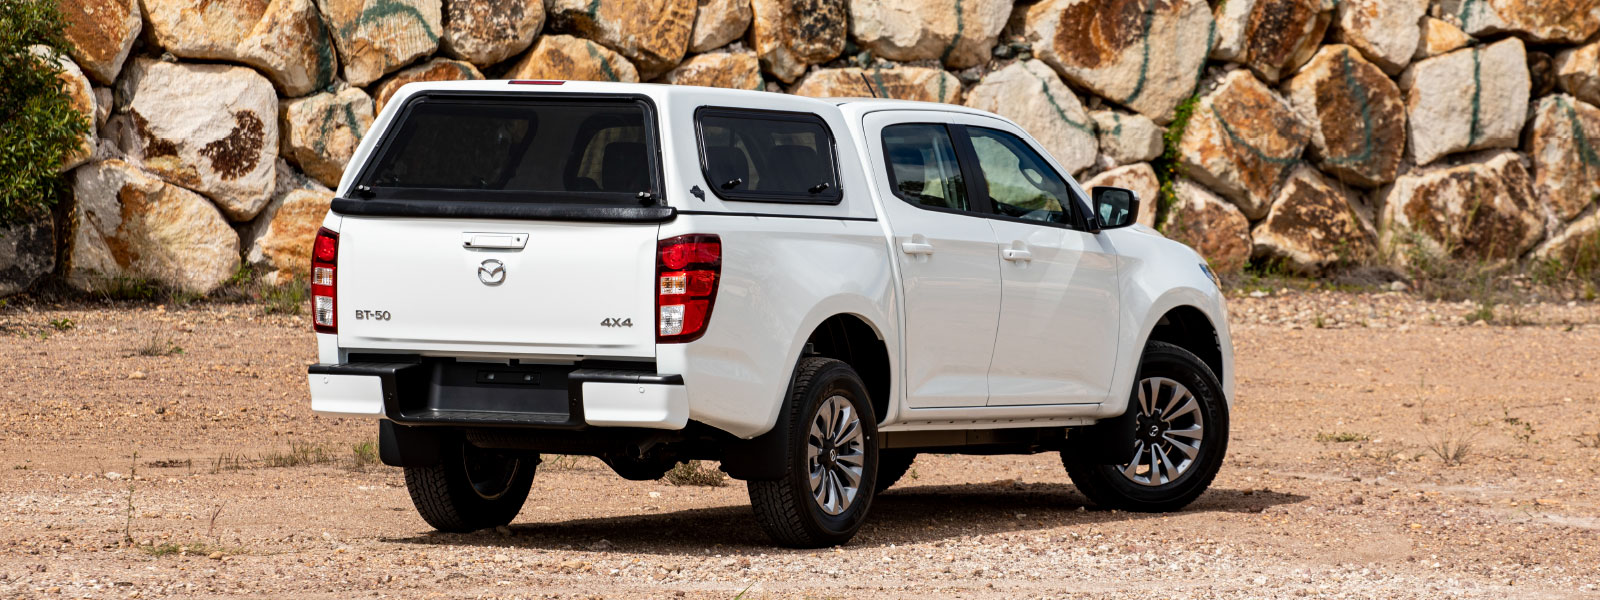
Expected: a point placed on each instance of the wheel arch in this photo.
(852, 339)
(1188, 327)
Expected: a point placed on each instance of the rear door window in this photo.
(764, 156)
(923, 166)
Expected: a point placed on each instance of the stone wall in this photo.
(1313, 132)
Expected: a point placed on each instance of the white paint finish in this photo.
(635, 405)
(346, 395)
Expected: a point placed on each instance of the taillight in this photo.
(324, 276)
(687, 269)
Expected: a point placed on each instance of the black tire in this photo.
(892, 465)
(785, 507)
(448, 499)
(1108, 487)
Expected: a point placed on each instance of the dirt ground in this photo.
(1382, 448)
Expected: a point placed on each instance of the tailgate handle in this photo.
(496, 241)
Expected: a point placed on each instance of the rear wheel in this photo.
(471, 488)
(892, 465)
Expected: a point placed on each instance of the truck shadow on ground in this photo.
(904, 515)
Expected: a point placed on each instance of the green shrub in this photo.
(41, 126)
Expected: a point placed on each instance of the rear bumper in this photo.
(472, 394)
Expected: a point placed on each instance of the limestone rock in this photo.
(718, 22)
(1480, 209)
(376, 37)
(485, 32)
(1546, 21)
(1438, 37)
(904, 83)
(1578, 72)
(1212, 226)
(1469, 99)
(321, 131)
(1127, 138)
(438, 69)
(735, 70)
(1564, 144)
(1138, 177)
(285, 39)
(208, 127)
(1384, 31)
(129, 224)
(27, 252)
(83, 98)
(1313, 225)
(1577, 245)
(959, 33)
(279, 241)
(1030, 94)
(653, 34)
(1356, 115)
(1272, 37)
(102, 33)
(790, 35)
(1241, 141)
(102, 106)
(569, 58)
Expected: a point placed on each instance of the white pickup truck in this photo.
(809, 291)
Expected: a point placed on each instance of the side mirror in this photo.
(1115, 207)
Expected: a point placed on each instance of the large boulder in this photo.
(129, 224)
(1127, 138)
(1212, 226)
(1356, 114)
(1480, 209)
(27, 252)
(718, 22)
(102, 33)
(1241, 141)
(735, 70)
(1030, 94)
(1470, 99)
(438, 69)
(278, 243)
(485, 32)
(904, 83)
(1578, 72)
(1564, 143)
(83, 98)
(208, 127)
(1314, 224)
(1384, 31)
(569, 58)
(653, 34)
(321, 131)
(1438, 37)
(958, 33)
(1138, 177)
(1272, 37)
(1540, 21)
(1146, 55)
(1575, 247)
(377, 37)
(790, 35)
(285, 39)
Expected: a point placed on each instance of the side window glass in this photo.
(923, 166)
(768, 157)
(1021, 183)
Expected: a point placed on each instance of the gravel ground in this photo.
(1382, 448)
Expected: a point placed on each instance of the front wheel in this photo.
(471, 488)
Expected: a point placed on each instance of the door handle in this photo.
(1015, 255)
(915, 248)
(494, 241)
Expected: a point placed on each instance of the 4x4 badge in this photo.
(492, 272)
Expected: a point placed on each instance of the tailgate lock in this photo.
(494, 241)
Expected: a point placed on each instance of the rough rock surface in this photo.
(376, 37)
(904, 83)
(1438, 37)
(84, 100)
(321, 131)
(1313, 225)
(1480, 209)
(1242, 139)
(736, 70)
(285, 39)
(27, 252)
(1127, 138)
(790, 35)
(1577, 245)
(959, 33)
(1146, 55)
(208, 127)
(1385, 31)
(438, 69)
(653, 34)
(102, 106)
(1452, 106)
(718, 22)
(1212, 226)
(279, 241)
(1558, 21)
(102, 33)
(1578, 72)
(1138, 177)
(567, 57)
(129, 224)
(1030, 94)
(1356, 115)
(1272, 37)
(1564, 144)
(485, 32)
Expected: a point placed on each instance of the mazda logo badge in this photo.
(492, 272)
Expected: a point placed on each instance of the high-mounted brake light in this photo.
(324, 277)
(537, 82)
(687, 270)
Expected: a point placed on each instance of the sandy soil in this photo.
(1339, 483)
